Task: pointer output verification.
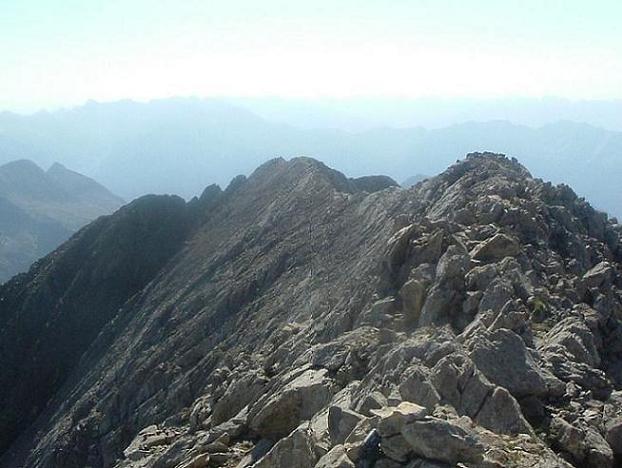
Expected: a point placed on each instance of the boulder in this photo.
(412, 294)
(146, 440)
(370, 401)
(502, 414)
(614, 435)
(599, 275)
(584, 445)
(238, 394)
(354, 443)
(442, 440)
(393, 418)
(396, 448)
(495, 296)
(461, 384)
(277, 414)
(496, 248)
(296, 449)
(571, 335)
(341, 422)
(416, 387)
(503, 357)
(335, 458)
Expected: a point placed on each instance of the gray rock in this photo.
(441, 440)
(599, 275)
(335, 458)
(396, 448)
(573, 336)
(503, 357)
(501, 414)
(614, 435)
(496, 248)
(341, 422)
(417, 387)
(296, 449)
(279, 413)
(413, 294)
(583, 444)
(393, 418)
(461, 384)
(370, 401)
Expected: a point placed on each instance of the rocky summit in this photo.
(303, 319)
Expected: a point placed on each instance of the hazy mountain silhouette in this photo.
(39, 210)
(182, 145)
(359, 113)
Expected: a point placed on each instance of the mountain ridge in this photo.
(298, 314)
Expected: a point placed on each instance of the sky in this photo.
(57, 53)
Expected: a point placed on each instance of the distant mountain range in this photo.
(182, 145)
(364, 113)
(41, 209)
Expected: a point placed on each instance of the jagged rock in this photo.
(294, 450)
(277, 415)
(501, 414)
(599, 275)
(444, 441)
(495, 296)
(614, 435)
(335, 458)
(146, 440)
(371, 401)
(255, 454)
(238, 395)
(496, 352)
(460, 384)
(396, 448)
(417, 387)
(393, 418)
(233, 427)
(341, 422)
(439, 305)
(496, 248)
(453, 264)
(584, 445)
(380, 312)
(573, 336)
(355, 441)
(200, 461)
(413, 294)
(423, 463)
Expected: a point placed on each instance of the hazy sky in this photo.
(63, 52)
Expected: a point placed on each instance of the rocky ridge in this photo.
(303, 319)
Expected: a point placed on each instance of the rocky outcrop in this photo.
(300, 320)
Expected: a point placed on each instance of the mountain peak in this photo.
(20, 167)
(305, 172)
(56, 167)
